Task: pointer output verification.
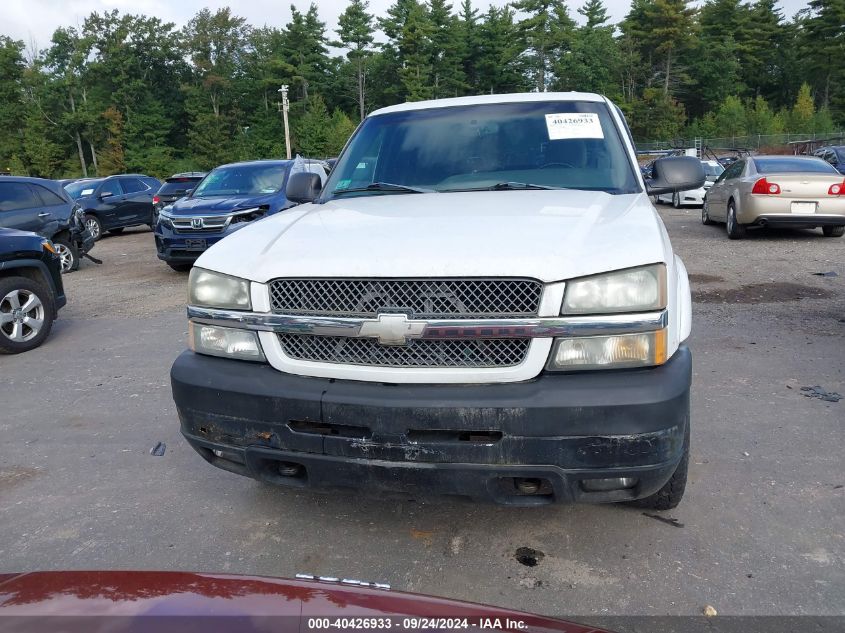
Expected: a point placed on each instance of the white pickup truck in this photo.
(482, 301)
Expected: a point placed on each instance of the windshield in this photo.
(711, 172)
(81, 188)
(550, 144)
(789, 164)
(242, 180)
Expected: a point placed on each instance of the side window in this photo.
(111, 186)
(132, 185)
(734, 170)
(48, 198)
(831, 158)
(17, 195)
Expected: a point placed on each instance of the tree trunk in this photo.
(78, 140)
(668, 69)
(362, 109)
(94, 158)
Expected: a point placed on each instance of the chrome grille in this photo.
(418, 353)
(421, 298)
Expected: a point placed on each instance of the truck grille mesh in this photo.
(418, 353)
(421, 298)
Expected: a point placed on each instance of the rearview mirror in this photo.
(675, 173)
(303, 187)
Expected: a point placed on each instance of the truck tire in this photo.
(833, 231)
(670, 495)
(17, 335)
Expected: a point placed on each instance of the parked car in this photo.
(482, 301)
(173, 188)
(678, 199)
(835, 155)
(116, 202)
(43, 207)
(31, 290)
(761, 191)
(227, 199)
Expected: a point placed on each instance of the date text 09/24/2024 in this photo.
(416, 623)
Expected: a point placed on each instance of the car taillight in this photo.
(156, 199)
(766, 188)
(837, 190)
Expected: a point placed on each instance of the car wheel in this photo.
(94, 227)
(180, 267)
(68, 253)
(676, 200)
(116, 231)
(26, 314)
(833, 231)
(705, 214)
(735, 230)
(670, 495)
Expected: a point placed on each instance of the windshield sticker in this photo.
(343, 184)
(87, 192)
(573, 125)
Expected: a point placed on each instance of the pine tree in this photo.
(355, 33)
(546, 33)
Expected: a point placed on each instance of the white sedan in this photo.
(712, 170)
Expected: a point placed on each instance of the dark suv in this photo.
(175, 187)
(835, 155)
(113, 203)
(227, 199)
(31, 290)
(44, 207)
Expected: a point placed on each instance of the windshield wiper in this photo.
(506, 186)
(383, 186)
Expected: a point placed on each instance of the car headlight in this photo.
(609, 352)
(164, 216)
(631, 290)
(224, 341)
(215, 290)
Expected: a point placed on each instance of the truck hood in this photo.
(546, 235)
(221, 205)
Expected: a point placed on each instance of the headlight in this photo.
(609, 352)
(215, 290)
(164, 216)
(224, 341)
(632, 290)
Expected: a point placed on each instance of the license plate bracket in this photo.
(195, 245)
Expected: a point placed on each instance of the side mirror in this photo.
(188, 192)
(105, 194)
(675, 173)
(303, 187)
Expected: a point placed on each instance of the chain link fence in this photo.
(751, 142)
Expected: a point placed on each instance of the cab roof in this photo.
(517, 97)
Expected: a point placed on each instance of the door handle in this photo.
(43, 215)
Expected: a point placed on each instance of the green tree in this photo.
(12, 107)
(546, 32)
(312, 132)
(656, 116)
(822, 43)
(499, 66)
(305, 48)
(355, 33)
(802, 117)
(593, 62)
(730, 117)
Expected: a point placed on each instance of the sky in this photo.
(34, 21)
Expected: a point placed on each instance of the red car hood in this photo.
(143, 593)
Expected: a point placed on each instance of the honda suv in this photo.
(43, 207)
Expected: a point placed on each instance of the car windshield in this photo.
(242, 180)
(81, 188)
(711, 172)
(545, 144)
(789, 164)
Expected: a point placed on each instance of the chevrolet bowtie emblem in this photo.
(392, 329)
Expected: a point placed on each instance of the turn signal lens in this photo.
(766, 188)
(609, 352)
(48, 246)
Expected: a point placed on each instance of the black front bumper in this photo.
(480, 441)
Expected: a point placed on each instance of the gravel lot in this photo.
(759, 532)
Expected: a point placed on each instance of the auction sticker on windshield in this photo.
(573, 125)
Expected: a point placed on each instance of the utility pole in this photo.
(285, 108)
